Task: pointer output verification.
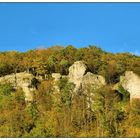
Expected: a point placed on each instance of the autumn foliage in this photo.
(67, 114)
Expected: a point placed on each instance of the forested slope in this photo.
(67, 113)
(58, 59)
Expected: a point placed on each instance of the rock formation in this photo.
(94, 80)
(56, 76)
(90, 83)
(22, 80)
(130, 82)
(78, 76)
(87, 82)
(76, 73)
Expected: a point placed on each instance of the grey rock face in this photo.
(90, 83)
(131, 82)
(92, 79)
(79, 78)
(76, 73)
(22, 80)
(87, 82)
(57, 77)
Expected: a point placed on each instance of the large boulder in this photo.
(130, 82)
(81, 79)
(76, 73)
(22, 80)
(94, 80)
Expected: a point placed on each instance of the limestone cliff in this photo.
(76, 73)
(93, 79)
(56, 77)
(90, 83)
(87, 82)
(130, 82)
(22, 80)
(78, 76)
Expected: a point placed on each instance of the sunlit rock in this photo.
(21, 80)
(76, 73)
(131, 83)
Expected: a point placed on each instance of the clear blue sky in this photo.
(114, 27)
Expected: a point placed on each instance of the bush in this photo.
(6, 89)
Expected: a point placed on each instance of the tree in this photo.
(106, 112)
(64, 67)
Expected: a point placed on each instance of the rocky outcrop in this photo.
(76, 73)
(56, 76)
(86, 82)
(78, 76)
(94, 80)
(90, 83)
(130, 82)
(22, 80)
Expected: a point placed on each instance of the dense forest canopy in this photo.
(67, 114)
(58, 59)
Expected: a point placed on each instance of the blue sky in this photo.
(114, 27)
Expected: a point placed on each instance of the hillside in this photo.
(69, 92)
